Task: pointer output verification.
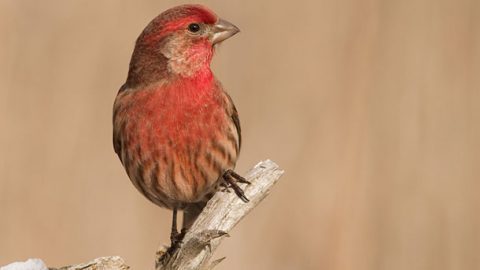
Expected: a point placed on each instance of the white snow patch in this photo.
(30, 264)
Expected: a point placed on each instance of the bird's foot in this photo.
(176, 239)
(225, 187)
(231, 179)
(238, 178)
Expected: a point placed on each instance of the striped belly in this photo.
(176, 166)
(173, 176)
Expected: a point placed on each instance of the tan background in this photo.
(371, 107)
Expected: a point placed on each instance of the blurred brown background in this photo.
(371, 107)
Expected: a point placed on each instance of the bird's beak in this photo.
(223, 30)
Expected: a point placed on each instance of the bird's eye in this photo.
(194, 27)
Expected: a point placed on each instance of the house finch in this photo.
(175, 129)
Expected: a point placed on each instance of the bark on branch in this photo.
(218, 217)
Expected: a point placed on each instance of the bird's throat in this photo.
(188, 59)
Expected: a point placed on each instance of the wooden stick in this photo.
(218, 217)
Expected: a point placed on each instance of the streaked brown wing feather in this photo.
(117, 144)
(235, 119)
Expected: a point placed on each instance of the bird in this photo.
(175, 129)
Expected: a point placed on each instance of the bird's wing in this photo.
(117, 145)
(117, 125)
(232, 110)
(236, 121)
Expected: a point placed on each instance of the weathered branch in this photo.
(102, 263)
(219, 216)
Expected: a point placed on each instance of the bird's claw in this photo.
(224, 187)
(238, 178)
(231, 178)
(176, 240)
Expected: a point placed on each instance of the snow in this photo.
(30, 264)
